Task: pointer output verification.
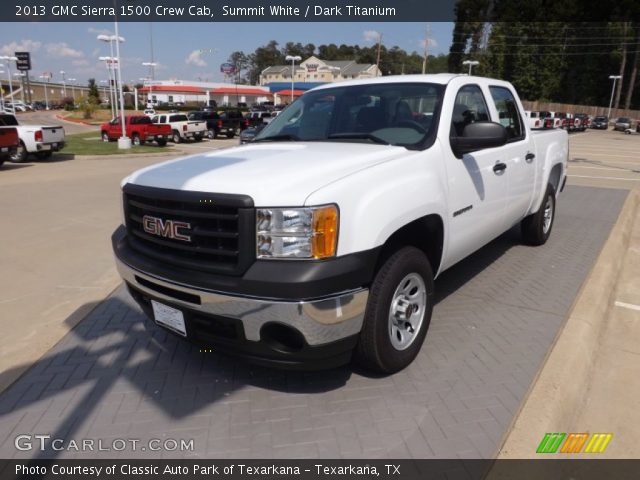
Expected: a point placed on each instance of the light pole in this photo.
(73, 90)
(21, 76)
(46, 76)
(112, 98)
(1, 92)
(471, 63)
(615, 78)
(9, 59)
(64, 83)
(293, 59)
(151, 66)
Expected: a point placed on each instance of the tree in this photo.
(266, 56)
(241, 62)
(94, 94)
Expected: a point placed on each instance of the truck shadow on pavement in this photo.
(115, 366)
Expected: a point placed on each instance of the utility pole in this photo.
(378, 59)
(426, 50)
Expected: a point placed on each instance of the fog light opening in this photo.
(282, 338)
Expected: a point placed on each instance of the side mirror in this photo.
(478, 136)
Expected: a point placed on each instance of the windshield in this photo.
(600, 119)
(403, 114)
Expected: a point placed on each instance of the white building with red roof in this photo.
(182, 92)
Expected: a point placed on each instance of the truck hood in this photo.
(273, 174)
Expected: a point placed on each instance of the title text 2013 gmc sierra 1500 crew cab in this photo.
(320, 240)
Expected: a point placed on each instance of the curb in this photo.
(557, 395)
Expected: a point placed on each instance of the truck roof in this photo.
(440, 78)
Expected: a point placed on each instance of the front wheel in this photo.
(105, 137)
(398, 312)
(536, 228)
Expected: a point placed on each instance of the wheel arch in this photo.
(425, 233)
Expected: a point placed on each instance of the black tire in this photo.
(135, 139)
(20, 154)
(105, 136)
(161, 142)
(1, 161)
(175, 136)
(534, 229)
(211, 133)
(375, 350)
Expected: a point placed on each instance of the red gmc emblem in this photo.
(165, 228)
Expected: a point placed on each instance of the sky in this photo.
(74, 49)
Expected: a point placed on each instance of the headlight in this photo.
(297, 232)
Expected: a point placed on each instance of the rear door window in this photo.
(508, 113)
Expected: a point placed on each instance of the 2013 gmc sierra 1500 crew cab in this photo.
(321, 239)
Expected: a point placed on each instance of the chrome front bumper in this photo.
(319, 321)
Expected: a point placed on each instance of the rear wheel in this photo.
(211, 133)
(176, 137)
(20, 154)
(536, 228)
(398, 312)
(105, 137)
(135, 139)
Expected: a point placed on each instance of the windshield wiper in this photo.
(357, 135)
(284, 136)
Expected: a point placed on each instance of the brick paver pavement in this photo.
(118, 377)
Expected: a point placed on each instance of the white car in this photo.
(319, 241)
(41, 140)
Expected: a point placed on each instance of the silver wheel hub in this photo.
(548, 215)
(406, 313)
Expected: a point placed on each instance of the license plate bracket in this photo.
(169, 317)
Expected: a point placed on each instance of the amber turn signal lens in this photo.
(325, 232)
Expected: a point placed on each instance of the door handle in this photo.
(529, 157)
(499, 167)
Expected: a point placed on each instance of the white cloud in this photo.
(195, 58)
(62, 50)
(370, 35)
(80, 63)
(21, 46)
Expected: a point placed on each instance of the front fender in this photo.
(376, 202)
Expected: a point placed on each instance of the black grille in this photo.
(222, 228)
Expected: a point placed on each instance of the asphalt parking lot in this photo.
(115, 376)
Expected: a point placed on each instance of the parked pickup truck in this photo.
(9, 141)
(182, 128)
(319, 241)
(138, 128)
(41, 140)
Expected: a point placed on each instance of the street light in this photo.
(9, 59)
(293, 60)
(615, 78)
(73, 89)
(471, 63)
(109, 62)
(123, 142)
(151, 66)
(64, 83)
(1, 92)
(46, 76)
(21, 75)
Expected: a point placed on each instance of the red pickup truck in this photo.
(138, 128)
(9, 141)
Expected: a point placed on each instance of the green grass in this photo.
(90, 143)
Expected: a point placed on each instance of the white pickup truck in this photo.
(181, 127)
(41, 140)
(319, 242)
